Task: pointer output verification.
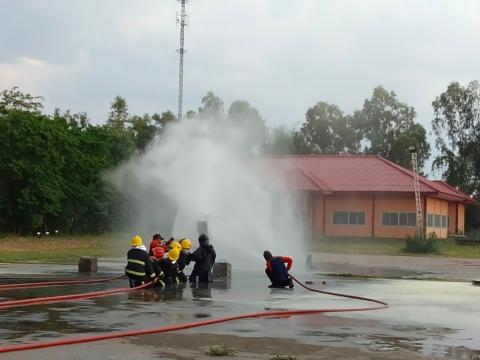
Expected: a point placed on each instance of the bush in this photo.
(417, 245)
(220, 350)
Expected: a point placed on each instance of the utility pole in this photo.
(182, 19)
(416, 186)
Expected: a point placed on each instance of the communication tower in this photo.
(182, 19)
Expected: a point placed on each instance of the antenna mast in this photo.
(182, 19)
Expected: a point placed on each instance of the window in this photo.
(444, 221)
(399, 219)
(412, 219)
(438, 221)
(349, 218)
(430, 220)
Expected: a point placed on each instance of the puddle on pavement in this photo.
(431, 318)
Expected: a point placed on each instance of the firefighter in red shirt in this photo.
(276, 270)
(156, 242)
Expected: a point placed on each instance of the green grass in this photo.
(368, 246)
(220, 350)
(61, 249)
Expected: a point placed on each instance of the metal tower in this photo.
(182, 19)
(416, 186)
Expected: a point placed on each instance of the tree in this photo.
(119, 113)
(389, 127)
(14, 99)
(249, 120)
(143, 131)
(31, 162)
(457, 127)
(280, 141)
(327, 130)
(212, 107)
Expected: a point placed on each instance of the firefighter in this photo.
(183, 259)
(169, 267)
(276, 270)
(156, 242)
(139, 267)
(157, 257)
(204, 258)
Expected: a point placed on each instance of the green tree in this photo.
(143, 129)
(327, 130)
(118, 116)
(457, 127)
(31, 161)
(280, 141)
(247, 118)
(14, 99)
(212, 107)
(389, 127)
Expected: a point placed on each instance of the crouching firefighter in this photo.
(183, 259)
(139, 267)
(276, 270)
(169, 267)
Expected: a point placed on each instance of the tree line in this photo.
(52, 165)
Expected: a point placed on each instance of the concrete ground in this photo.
(426, 319)
(398, 266)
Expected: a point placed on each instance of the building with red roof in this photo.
(367, 196)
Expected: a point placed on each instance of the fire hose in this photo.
(175, 327)
(32, 285)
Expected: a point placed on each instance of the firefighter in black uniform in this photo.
(204, 258)
(139, 268)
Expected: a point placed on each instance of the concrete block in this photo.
(87, 264)
(222, 270)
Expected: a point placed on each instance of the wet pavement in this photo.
(455, 269)
(432, 318)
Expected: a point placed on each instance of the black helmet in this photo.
(267, 255)
(157, 237)
(203, 239)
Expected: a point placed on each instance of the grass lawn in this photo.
(367, 246)
(61, 249)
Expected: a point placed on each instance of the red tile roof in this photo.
(353, 173)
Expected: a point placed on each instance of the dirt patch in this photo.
(193, 346)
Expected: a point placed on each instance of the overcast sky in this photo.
(280, 55)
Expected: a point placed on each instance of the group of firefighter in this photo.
(164, 262)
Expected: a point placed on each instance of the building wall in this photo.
(393, 203)
(461, 219)
(318, 214)
(436, 207)
(452, 218)
(374, 205)
(348, 203)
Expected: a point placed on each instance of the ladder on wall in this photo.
(416, 185)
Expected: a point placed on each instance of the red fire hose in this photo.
(175, 327)
(57, 283)
(64, 298)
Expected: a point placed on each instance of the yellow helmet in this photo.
(137, 240)
(176, 245)
(174, 254)
(186, 244)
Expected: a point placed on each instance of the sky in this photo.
(282, 56)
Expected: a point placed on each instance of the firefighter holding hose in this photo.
(139, 267)
(277, 268)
